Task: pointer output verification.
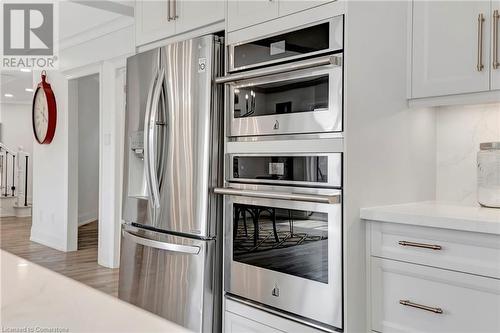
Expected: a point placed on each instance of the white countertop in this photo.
(35, 297)
(438, 215)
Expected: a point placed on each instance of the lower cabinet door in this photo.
(413, 298)
(238, 324)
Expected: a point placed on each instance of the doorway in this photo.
(84, 97)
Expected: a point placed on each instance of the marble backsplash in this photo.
(459, 130)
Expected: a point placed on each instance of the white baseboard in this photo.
(22, 211)
(47, 240)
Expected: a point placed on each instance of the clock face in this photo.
(40, 115)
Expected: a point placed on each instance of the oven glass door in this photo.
(298, 169)
(303, 101)
(286, 254)
(305, 41)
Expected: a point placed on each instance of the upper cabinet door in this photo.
(152, 21)
(243, 13)
(451, 43)
(196, 14)
(293, 6)
(495, 49)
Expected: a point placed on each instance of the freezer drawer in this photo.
(170, 276)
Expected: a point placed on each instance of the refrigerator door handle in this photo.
(150, 143)
(187, 249)
(147, 153)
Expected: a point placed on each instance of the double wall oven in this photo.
(300, 93)
(283, 174)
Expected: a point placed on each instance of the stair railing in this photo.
(14, 168)
(8, 171)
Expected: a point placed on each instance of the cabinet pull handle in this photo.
(496, 16)
(480, 20)
(175, 17)
(421, 245)
(406, 302)
(169, 14)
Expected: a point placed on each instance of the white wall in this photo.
(17, 131)
(55, 210)
(88, 148)
(50, 178)
(390, 156)
(460, 130)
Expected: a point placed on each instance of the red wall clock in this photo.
(44, 112)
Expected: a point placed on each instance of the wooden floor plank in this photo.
(79, 265)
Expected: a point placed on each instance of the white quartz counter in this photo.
(36, 299)
(439, 215)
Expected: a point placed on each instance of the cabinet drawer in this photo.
(241, 318)
(475, 253)
(238, 324)
(449, 301)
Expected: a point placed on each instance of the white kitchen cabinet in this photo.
(244, 13)
(238, 324)
(153, 23)
(495, 49)
(292, 6)
(242, 318)
(196, 14)
(429, 273)
(414, 298)
(447, 48)
(475, 253)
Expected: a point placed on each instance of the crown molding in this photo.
(96, 32)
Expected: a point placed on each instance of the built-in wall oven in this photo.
(283, 173)
(283, 233)
(298, 91)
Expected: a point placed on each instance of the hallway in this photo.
(80, 265)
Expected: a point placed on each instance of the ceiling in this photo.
(15, 83)
(75, 18)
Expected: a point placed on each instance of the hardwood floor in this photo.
(79, 265)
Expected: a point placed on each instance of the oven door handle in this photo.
(328, 199)
(335, 60)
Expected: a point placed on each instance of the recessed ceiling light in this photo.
(26, 70)
(28, 90)
(9, 95)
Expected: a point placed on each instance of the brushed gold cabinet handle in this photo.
(496, 16)
(406, 302)
(421, 245)
(480, 20)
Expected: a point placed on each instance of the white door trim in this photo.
(111, 122)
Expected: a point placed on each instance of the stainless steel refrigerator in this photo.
(170, 252)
